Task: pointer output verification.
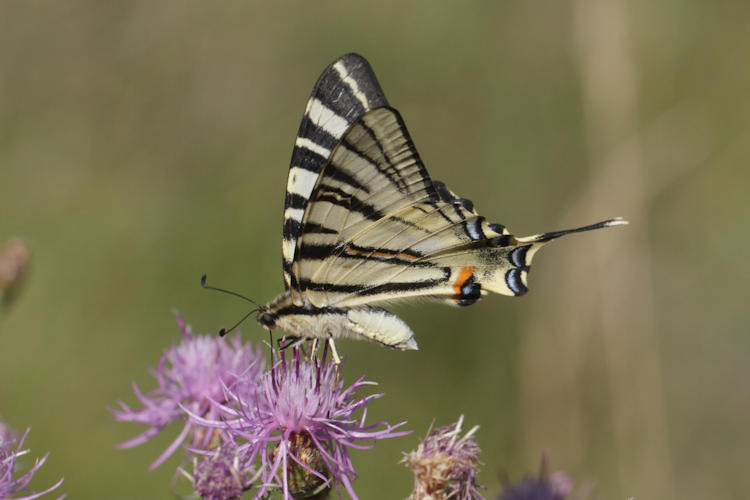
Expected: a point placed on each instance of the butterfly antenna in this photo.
(224, 331)
(258, 307)
(208, 287)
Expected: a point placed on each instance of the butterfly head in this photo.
(269, 315)
(267, 319)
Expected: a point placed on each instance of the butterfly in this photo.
(365, 224)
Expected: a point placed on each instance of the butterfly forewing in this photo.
(344, 91)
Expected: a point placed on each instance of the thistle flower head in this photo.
(445, 465)
(9, 454)
(300, 426)
(191, 376)
(223, 474)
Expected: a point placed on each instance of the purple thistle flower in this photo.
(224, 474)
(8, 458)
(555, 486)
(445, 465)
(300, 426)
(191, 376)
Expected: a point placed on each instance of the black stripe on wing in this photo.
(322, 251)
(344, 98)
(389, 287)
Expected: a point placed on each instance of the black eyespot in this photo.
(268, 320)
(470, 292)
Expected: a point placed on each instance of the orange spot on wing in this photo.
(463, 275)
(406, 256)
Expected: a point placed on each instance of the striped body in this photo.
(365, 224)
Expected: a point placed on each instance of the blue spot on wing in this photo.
(513, 279)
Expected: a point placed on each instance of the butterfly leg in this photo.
(313, 348)
(281, 343)
(334, 353)
(294, 342)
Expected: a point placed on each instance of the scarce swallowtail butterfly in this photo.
(364, 223)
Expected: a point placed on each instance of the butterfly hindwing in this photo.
(378, 229)
(376, 226)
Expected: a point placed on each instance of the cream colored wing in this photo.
(377, 228)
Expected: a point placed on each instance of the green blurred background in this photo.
(145, 143)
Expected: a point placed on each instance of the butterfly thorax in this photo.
(303, 321)
(268, 315)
